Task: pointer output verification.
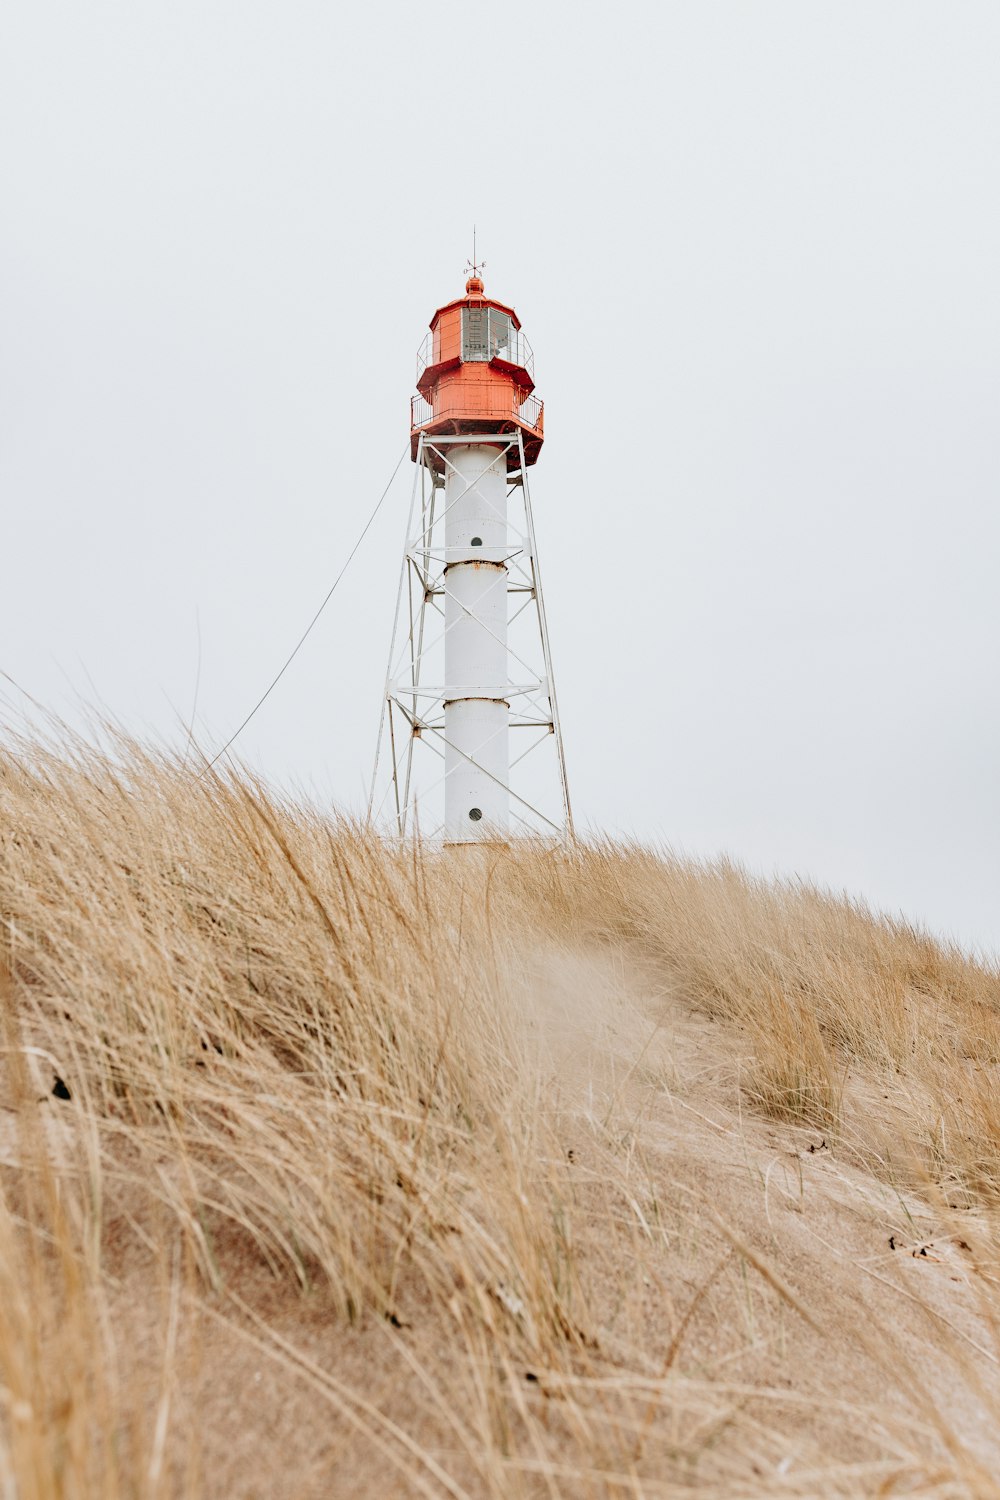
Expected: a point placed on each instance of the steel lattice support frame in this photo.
(412, 727)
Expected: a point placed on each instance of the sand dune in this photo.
(384, 1173)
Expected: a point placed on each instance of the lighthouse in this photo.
(469, 693)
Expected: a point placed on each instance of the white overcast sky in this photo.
(756, 247)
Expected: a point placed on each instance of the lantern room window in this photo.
(474, 333)
(499, 332)
(486, 334)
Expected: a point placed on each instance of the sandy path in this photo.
(903, 1337)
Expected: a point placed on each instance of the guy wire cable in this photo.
(302, 639)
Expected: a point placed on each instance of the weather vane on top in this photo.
(474, 266)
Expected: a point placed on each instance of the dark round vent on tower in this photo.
(477, 541)
(475, 813)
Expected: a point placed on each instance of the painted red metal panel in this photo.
(482, 394)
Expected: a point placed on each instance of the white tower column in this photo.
(476, 709)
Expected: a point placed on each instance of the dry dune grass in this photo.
(828, 996)
(502, 1174)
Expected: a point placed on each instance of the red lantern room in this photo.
(475, 374)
